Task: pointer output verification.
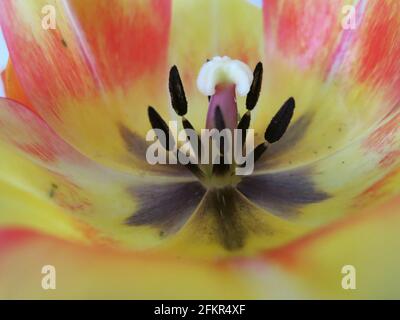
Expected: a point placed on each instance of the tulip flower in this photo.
(317, 80)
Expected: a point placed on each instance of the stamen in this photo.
(243, 125)
(220, 79)
(275, 129)
(256, 153)
(280, 122)
(158, 123)
(177, 93)
(259, 150)
(219, 119)
(220, 125)
(179, 102)
(254, 93)
(221, 167)
(194, 168)
(188, 126)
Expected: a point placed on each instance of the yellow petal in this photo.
(201, 30)
(367, 241)
(38, 165)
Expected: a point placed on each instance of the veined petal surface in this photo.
(97, 70)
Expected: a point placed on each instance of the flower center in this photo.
(228, 154)
(220, 201)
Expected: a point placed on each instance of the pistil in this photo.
(225, 99)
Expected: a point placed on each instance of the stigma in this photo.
(223, 71)
(221, 78)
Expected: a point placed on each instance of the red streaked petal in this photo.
(21, 128)
(304, 31)
(344, 80)
(85, 78)
(379, 48)
(127, 40)
(310, 34)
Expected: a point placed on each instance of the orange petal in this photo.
(12, 86)
(96, 272)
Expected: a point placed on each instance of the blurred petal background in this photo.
(309, 267)
(3, 61)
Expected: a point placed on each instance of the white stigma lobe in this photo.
(224, 70)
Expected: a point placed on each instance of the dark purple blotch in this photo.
(282, 193)
(137, 146)
(165, 206)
